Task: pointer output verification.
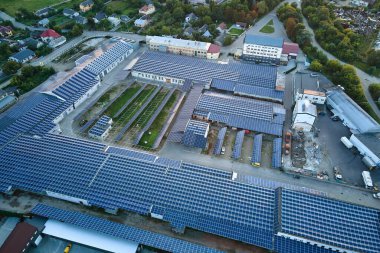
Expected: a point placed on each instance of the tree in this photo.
(263, 8)
(178, 14)
(228, 40)
(77, 30)
(290, 26)
(316, 66)
(5, 50)
(374, 89)
(11, 67)
(373, 58)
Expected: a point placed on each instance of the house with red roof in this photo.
(52, 38)
(290, 49)
(213, 52)
(147, 9)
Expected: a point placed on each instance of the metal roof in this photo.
(351, 113)
(244, 113)
(196, 134)
(122, 231)
(371, 141)
(263, 40)
(167, 41)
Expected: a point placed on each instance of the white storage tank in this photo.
(368, 162)
(346, 142)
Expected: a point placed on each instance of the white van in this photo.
(367, 179)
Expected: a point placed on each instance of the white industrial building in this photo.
(368, 145)
(262, 49)
(183, 47)
(315, 97)
(304, 115)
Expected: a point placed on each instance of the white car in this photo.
(223, 151)
(376, 195)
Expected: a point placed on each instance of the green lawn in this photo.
(11, 6)
(268, 28)
(120, 101)
(156, 127)
(123, 6)
(235, 31)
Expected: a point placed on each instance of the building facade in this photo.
(304, 115)
(315, 97)
(262, 49)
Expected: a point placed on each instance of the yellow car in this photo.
(67, 249)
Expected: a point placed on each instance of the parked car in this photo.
(68, 248)
(223, 151)
(376, 195)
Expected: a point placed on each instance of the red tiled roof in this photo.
(222, 25)
(290, 48)
(213, 49)
(50, 33)
(145, 8)
(19, 238)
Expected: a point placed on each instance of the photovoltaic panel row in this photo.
(117, 230)
(131, 153)
(219, 141)
(236, 153)
(277, 153)
(257, 144)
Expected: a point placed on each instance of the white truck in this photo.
(346, 142)
(367, 179)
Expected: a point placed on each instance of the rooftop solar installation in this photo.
(187, 195)
(236, 153)
(219, 141)
(257, 144)
(196, 134)
(243, 113)
(277, 153)
(184, 115)
(334, 223)
(201, 70)
(117, 230)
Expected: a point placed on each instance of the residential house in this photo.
(3, 94)
(33, 43)
(43, 22)
(115, 21)
(203, 29)
(80, 20)
(188, 31)
(99, 17)
(194, 2)
(147, 9)
(44, 12)
(207, 34)
(86, 5)
(143, 21)
(290, 50)
(125, 18)
(6, 31)
(70, 13)
(23, 56)
(53, 38)
(222, 27)
(190, 17)
(241, 25)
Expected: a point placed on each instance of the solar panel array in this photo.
(117, 51)
(221, 76)
(101, 126)
(184, 115)
(219, 141)
(122, 231)
(277, 153)
(192, 196)
(195, 134)
(243, 113)
(257, 144)
(236, 153)
(330, 222)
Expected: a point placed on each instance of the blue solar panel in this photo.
(257, 144)
(196, 134)
(236, 153)
(277, 153)
(117, 230)
(219, 141)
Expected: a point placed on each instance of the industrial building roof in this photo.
(19, 239)
(186, 196)
(244, 113)
(201, 70)
(167, 41)
(197, 127)
(371, 141)
(263, 40)
(290, 48)
(305, 107)
(351, 113)
(116, 230)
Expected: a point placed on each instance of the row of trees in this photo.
(31, 77)
(344, 75)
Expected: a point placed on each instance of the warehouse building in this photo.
(263, 216)
(368, 145)
(257, 81)
(241, 113)
(183, 47)
(196, 133)
(350, 113)
(20, 239)
(262, 49)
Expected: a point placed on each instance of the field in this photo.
(122, 6)
(116, 105)
(150, 136)
(268, 28)
(235, 31)
(11, 6)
